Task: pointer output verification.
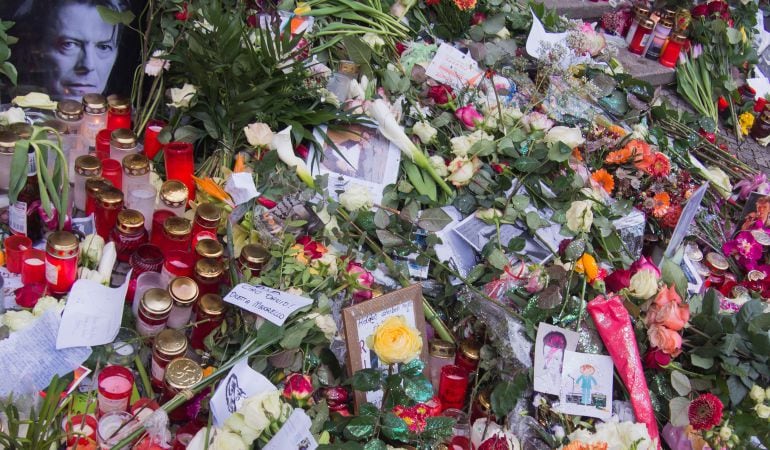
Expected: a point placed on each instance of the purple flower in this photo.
(744, 248)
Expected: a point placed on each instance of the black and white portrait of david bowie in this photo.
(65, 49)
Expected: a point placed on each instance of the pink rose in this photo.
(364, 279)
(644, 264)
(298, 387)
(667, 295)
(668, 341)
(469, 116)
(671, 315)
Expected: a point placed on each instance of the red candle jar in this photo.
(146, 258)
(178, 264)
(154, 308)
(209, 248)
(61, 261)
(671, 51)
(208, 317)
(177, 234)
(109, 205)
(208, 273)
(181, 375)
(33, 266)
(129, 233)
(151, 132)
(169, 344)
(15, 247)
(94, 186)
(113, 171)
(482, 407)
(103, 144)
(118, 113)
(80, 430)
(641, 37)
(115, 384)
(206, 223)
(252, 259)
(453, 387)
(158, 219)
(468, 355)
(180, 164)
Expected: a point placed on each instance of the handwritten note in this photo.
(295, 433)
(29, 358)
(242, 382)
(271, 304)
(92, 315)
(453, 67)
(241, 187)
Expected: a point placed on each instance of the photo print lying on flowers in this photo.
(550, 346)
(586, 385)
(362, 157)
(478, 233)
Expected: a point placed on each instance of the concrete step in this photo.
(579, 9)
(645, 69)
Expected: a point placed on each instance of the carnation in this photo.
(705, 412)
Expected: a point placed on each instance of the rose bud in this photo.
(298, 387)
(302, 151)
(759, 106)
(400, 48)
(655, 359)
(722, 104)
(441, 94)
(182, 15)
(336, 396)
(707, 135)
(478, 18)
(266, 202)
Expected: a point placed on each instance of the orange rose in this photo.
(671, 316)
(668, 295)
(668, 341)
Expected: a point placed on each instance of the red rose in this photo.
(478, 18)
(182, 15)
(441, 94)
(759, 105)
(722, 104)
(707, 135)
(313, 249)
(251, 21)
(700, 10)
(298, 387)
(432, 2)
(717, 7)
(302, 151)
(618, 280)
(499, 168)
(655, 359)
(400, 48)
(563, 246)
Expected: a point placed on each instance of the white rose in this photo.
(767, 393)
(12, 115)
(91, 250)
(725, 433)
(462, 170)
(237, 424)
(424, 131)
(18, 320)
(295, 291)
(253, 414)
(580, 217)
(228, 441)
(536, 121)
(438, 165)
(374, 41)
(757, 394)
(503, 33)
(329, 261)
(258, 134)
(46, 303)
(34, 100)
(325, 323)
(571, 137)
(644, 284)
(155, 65)
(460, 146)
(181, 97)
(763, 411)
(271, 402)
(489, 214)
(356, 197)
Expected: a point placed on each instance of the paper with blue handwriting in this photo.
(270, 304)
(241, 383)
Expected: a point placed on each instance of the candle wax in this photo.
(115, 385)
(35, 262)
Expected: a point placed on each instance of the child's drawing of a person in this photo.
(586, 382)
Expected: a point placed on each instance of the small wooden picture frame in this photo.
(361, 320)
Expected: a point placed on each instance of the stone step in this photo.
(645, 69)
(579, 9)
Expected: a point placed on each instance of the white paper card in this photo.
(453, 249)
(92, 315)
(241, 187)
(453, 67)
(685, 220)
(270, 304)
(29, 358)
(294, 434)
(11, 282)
(586, 385)
(550, 345)
(538, 38)
(242, 382)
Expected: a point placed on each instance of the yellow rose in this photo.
(394, 341)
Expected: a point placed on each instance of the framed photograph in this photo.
(363, 156)
(362, 320)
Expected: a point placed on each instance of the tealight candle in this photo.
(115, 384)
(113, 427)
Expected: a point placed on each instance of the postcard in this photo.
(586, 385)
(550, 345)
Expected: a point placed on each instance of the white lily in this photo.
(109, 256)
(282, 144)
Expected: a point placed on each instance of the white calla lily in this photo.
(282, 144)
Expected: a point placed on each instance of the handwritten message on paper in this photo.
(271, 304)
(453, 67)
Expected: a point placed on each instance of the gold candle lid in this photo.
(170, 342)
(470, 349)
(62, 244)
(441, 349)
(118, 103)
(717, 261)
(69, 110)
(209, 248)
(95, 185)
(8, 141)
(183, 373)
(209, 212)
(22, 129)
(156, 301)
(254, 254)
(94, 104)
(123, 138)
(130, 221)
(212, 305)
(666, 22)
(88, 165)
(208, 268)
(762, 237)
(174, 193)
(183, 291)
(110, 198)
(136, 164)
(177, 226)
(647, 23)
(58, 125)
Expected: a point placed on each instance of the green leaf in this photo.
(19, 168)
(434, 219)
(360, 428)
(527, 164)
(734, 36)
(483, 147)
(497, 259)
(673, 275)
(703, 363)
(389, 239)
(711, 303)
(680, 383)
(418, 389)
(412, 369)
(113, 17)
(520, 202)
(505, 395)
(438, 428)
(375, 445)
(559, 152)
(367, 380)
(736, 390)
(534, 221)
(394, 427)
(358, 51)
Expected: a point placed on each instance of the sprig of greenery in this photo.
(6, 40)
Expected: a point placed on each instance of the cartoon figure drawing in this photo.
(234, 394)
(586, 382)
(554, 344)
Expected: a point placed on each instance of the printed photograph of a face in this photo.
(65, 49)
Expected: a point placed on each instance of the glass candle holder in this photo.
(442, 353)
(103, 144)
(110, 203)
(114, 385)
(15, 246)
(453, 386)
(180, 164)
(154, 309)
(184, 293)
(94, 120)
(206, 222)
(124, 348)
(461, 430)
(80, 429)
(70, 113)
(146, 258)
(252, 259)
(168, 345)
(129, 233)
(178, 264)
(143, 408)
(123, 143)
(114, 427)
(61, 261)
(22, 129)
(151, 132)
(208, 275)
(7, 147)
(86, 166)
(177, 234)
(145, 282)
(468, 355)
(209, 248)
(33, 266)
(136, 172)
(113, 171)
(158, 219)
(142, 199)
(94, 186)
(173, 197)
(118, 113)
(59, 129)
(208, 316)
